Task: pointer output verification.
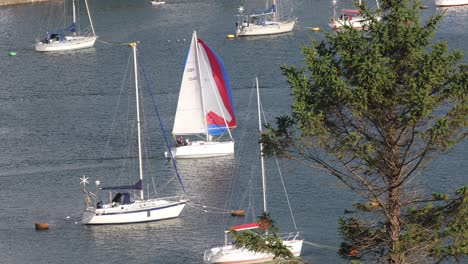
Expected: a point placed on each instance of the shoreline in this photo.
(19, 2)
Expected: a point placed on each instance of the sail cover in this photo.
(205, 101)
(136, 186)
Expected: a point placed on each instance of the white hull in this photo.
(269, 28)
(231, 254)
(137, 212)
(70, 43)
(157, 2)
(202, 149)
(451, 2)
(355, 22)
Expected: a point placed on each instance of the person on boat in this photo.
(117, 199)
(181, 142)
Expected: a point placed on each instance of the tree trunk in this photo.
(393, 228)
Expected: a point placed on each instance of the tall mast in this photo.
(74, 15)
(261, 149)
(137, 97)
(197, 64)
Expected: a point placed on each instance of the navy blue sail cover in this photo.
(136, 186)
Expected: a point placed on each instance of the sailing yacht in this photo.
(267, 22)
(126, 208)
(69, 38)
(442, 3)
(204, 110)
(229, 253)
(350, 17)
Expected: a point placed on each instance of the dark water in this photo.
(56, 111)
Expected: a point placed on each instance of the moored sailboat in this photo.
(267, 22)
(130, 205)
(69, 38)
(204, 109)
(351, 17)
(230, 253)
(444, 3)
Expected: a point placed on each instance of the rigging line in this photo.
(114, 120)
(113, 43)
(320, 246)
(160, 121)
(280, 173)
(238, 156)
(285, 192)
(206, 211)
(210, 207)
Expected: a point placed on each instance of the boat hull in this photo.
(202, 149)
(70, 43)
(356, 22)
(231, 254)
(271, 28)
(442, 3)
(138, 212)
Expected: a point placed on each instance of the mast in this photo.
(74, 16)
(261, 149)
(197, 56)
(137, 98)
(276, 9)
(89, 17)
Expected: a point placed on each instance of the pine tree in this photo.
(372, 107)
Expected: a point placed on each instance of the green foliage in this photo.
(372, 107)
(432, 231)
(265, 240)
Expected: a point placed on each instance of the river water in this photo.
(56, 111)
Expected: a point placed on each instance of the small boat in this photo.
(266, 22)
(350, 17)
(130, 205)
(238, 212)
(230, 253)
(442, 3)
(157, 2)
(41, 226)
(204, 110)
(69, 38)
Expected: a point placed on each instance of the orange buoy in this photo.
(41, 226)
(239, 212)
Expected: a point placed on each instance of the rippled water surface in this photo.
(56, 111)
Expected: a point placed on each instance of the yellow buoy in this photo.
(230, 36)
(315, 29)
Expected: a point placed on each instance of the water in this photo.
(56, 111)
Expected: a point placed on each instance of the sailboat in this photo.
(69, 38)
(267, 22)
(350, 17)
(157, 2)
(126, 208)
(229, 253)
(443, 3)
(204, 109)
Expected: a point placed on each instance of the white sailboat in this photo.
(350, 17)
(229, 253)
(204, 110)
(267, 22)
(70, 38)
(442, 3)
(126, 208)
(157, 2)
